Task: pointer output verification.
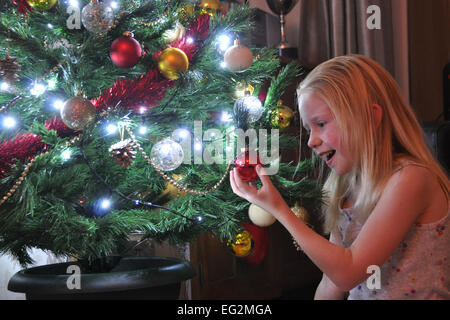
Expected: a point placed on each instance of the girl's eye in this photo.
(321, 124)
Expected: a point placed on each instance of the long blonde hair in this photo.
(350, 86)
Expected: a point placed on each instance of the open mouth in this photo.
(330, 155)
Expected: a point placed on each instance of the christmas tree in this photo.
(123, 116)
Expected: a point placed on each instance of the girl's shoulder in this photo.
(408, 172)
(403, 160)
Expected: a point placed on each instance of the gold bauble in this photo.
(238, 58)
(210, 4)
(300, 212)
(260, 217)
(77, 113)
(173, 191)
(41, 4)
(281, 117)
(172, 61)
(242, 89)
(242, 245)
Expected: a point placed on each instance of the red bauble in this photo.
(125, 51)
(246, 166)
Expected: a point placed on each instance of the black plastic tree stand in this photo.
(124, 278)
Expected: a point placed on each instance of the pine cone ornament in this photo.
(9, 69)
(124, 153)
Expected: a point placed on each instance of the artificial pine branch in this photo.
(280, 82)
(55, 206)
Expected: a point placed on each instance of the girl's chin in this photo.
(338, 168)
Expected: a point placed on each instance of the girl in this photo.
(388, 199)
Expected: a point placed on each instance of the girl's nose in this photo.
(313, 141)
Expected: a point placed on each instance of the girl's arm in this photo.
(327, 290)
(404, 199)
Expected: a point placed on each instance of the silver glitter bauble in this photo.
(167, 155)
(97, 17)
(252, 105)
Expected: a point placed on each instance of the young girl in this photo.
(388, 199)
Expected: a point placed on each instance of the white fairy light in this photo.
(224, 42)
(226, 117)
(105, 204)
(74, 3)
(111, 128)
(142, 130)
(66, 154)
(9, 122)
(4, 86)
(38, 89)
(114, 4)
(51, 84)
(58, 104)
(181, 134)
(198, 146)
(142, 110)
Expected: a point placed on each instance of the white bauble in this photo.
(238, 58)
(260, 217)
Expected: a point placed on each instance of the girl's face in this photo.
(324, 133)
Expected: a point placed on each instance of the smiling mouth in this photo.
(331, 155)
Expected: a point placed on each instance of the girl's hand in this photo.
(267, 197)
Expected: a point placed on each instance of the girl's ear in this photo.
(378, 114)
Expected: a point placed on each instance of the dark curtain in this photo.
(330, 28)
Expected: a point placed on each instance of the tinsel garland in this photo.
(24, 147)
(131, 94)
(59, 126)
